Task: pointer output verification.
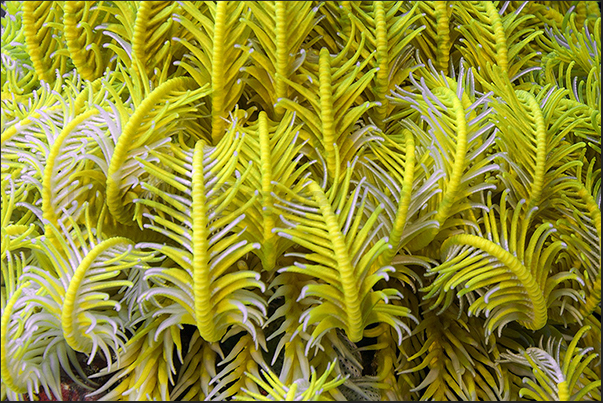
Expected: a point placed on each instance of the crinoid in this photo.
(311, 200)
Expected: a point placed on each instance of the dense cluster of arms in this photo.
(301, 200)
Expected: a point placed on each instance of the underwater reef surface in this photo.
(301, 200)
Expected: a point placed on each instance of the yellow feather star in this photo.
(230, 200)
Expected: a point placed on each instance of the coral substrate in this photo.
(301, 200)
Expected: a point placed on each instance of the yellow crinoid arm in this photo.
(69, 301)
(395, 166)
(199, 210)
(151, 126)
(146, 368)
(301, 389)
(280, 29)
(120, 28)
(18, 75)
(458, 360)
(511, 265)
(153, 40)
(275, 149)
(457, 134)
(560, 371)
(577, 216)
(212, 33)
(289, 340)
(85, 40)
(327, 105)
(341, 244)
(437, 39)
(492, 37)
(531, 130)
(390, 28)
(43, 29)
(240, 368)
